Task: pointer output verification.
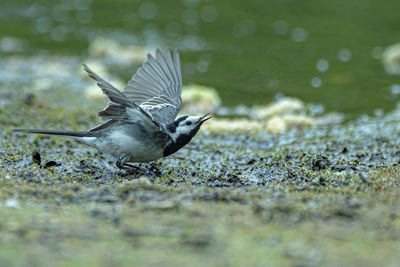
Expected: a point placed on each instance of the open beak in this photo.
(204, 118)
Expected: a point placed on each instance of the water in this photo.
(322, 52)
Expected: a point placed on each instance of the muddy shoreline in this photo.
(300, 198)
(308, 194)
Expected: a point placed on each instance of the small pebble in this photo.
(12, 203)
(51, 163)
(36, 157)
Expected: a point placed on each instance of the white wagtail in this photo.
(140, 122)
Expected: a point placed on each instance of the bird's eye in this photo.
(188, 123)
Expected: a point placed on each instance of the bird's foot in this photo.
(127, 167)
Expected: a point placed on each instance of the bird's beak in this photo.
(204, 118)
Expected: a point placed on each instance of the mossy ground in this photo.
(135, 222)
(322, 196)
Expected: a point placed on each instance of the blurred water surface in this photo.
(325, 52)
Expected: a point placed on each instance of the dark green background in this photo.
(249, 69)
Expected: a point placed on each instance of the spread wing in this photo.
(120, 108)
(157, 86)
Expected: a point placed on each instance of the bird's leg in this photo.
(130, 166)
(121, 164)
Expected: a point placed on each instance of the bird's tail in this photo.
(51, 132)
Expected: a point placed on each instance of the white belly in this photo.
(119, 144)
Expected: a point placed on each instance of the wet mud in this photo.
(299, 198)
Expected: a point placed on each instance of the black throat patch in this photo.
(181, 141)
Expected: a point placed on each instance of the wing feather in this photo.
(113, 94)
(121, 108)
(171, 67)
(155, 76)
(157, 86)
(142, 81)
(104, 125)
(177, 62)
(147, 78)
(157, 68)
(152, 96)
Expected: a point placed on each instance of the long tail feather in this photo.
(51, 132)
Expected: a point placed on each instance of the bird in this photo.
(140, 123)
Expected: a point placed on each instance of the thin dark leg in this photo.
(130, 166)
(119, 164)
(126, 166)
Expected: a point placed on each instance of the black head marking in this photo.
(172, 126)
(180, 119)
